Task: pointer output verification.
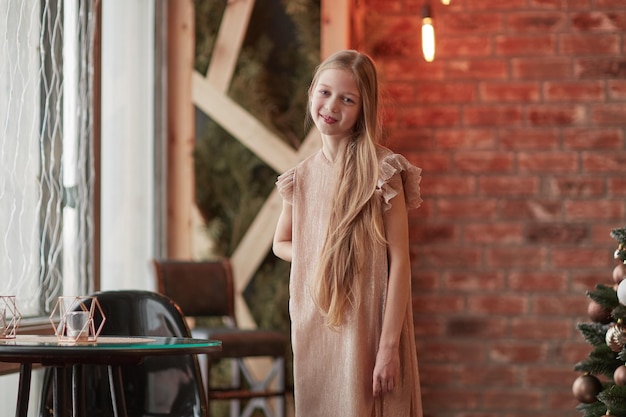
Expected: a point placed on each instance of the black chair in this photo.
(164, 386)
(205, 289)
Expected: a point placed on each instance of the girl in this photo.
(344, 228)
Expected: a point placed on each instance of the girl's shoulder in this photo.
(390, 164)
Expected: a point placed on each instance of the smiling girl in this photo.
(344, 228)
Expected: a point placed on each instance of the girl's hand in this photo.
(386, 370)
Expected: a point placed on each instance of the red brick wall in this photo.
(518, 125)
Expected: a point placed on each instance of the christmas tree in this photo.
(601, 389)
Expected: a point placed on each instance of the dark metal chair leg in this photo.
(23, 391)
(78, 391)
(59, 388)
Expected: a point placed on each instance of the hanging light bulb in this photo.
(428, 34)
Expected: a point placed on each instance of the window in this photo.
(46, 151)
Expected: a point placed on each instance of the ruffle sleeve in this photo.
(284, 184)
(411, 177)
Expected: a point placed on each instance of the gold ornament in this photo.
(615, 337)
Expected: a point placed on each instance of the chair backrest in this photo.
(200, 288)
(164, 385)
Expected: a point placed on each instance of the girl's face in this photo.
(335, 103)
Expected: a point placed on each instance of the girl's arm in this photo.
(387, 367)
(282, 236)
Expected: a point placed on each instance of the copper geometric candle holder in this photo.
(10, 317)
(73, 319)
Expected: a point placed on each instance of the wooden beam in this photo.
(181, 134)
(242, 125)
(228, 43)
(335, 26)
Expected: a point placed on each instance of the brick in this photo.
(448, 257)
(531, 45)
(395, 36)
(616, 186)
(438, 304)
(473, 281)
(594, 210)
(431, 116)
(447, 186)
(507, 115)
(466, 138)
(477, 327)
(593, 138)
(608, 114)
(498, 305)
(604, 162)
(544, 211)
(608, 4)
(579, 257)
(573, 91)
(561, 400)
(449, 398)
(463, 47)
(535, 22)
(599, 67)
(516, 257)
(555, 233)
(424, 281)
(543, 69)
(493, 233)
(427, 326)
(547, 162)
(400, 92)
(433, 233)
(516, 352)
(530, 139)
(434, 162)
(509, 92)
(498, 375)
(599, 21)
(415, 69)
(617, 89)
(471, 23)
(483, 161)
(537, 281)
(541, 328)
(483, 69)
(483, 209)
(604, 44)
(568, 305)
(438, 374)
(450, 92)
(557, 115)
(587, 280)
(576, 187)
(495, 5)
(572, 351)
(547, 376)
(508, 186)
(518, 400)
(451, 351)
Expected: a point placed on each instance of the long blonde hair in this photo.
(355, 222)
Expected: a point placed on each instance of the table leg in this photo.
(59, 388)
(78, 391)
(23, 391)
(117, 390)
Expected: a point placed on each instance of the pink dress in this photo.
(333, 369)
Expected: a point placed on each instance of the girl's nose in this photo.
(332, 106)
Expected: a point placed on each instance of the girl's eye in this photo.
(348, 100)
